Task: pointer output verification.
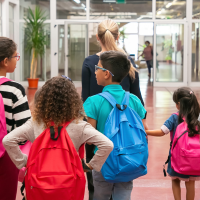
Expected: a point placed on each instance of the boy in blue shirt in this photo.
(113, 66)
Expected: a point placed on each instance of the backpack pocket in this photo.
(52, 169)
(190, 160)
(132, 159)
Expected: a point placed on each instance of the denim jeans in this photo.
(149, 65)
(103, 189)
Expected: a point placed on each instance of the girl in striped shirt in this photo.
(16, 112)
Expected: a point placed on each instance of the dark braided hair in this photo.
(189, 109)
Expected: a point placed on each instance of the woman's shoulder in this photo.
(92, 58)
(90, 61)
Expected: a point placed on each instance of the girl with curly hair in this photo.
(58, 102)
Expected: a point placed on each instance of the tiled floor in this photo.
(159, 105)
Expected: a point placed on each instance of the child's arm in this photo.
(93, 122)
(11, 140)
(105, 146)
(155, 132)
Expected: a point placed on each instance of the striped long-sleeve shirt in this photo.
(15, 103)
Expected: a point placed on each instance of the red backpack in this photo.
(54, 169)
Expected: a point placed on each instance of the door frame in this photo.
(87, 22)
(77, 83)
(190, 82)
(185, 68)
(6, 27)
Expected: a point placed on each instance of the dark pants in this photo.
(8, 178)
(89, 154)
(149, 65)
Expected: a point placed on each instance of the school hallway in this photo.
(159, 106)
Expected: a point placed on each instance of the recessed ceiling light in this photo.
(168, 5)
(77, 1)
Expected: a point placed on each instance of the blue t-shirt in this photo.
(98, 108)
(171, 124)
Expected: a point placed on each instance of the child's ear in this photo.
(107, 75)
(4, 62)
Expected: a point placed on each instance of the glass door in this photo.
(194, 73)
(76, 49)
(169, 57)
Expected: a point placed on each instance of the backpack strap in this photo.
(52, 132)
(109, 98)
(179, 138)
(126, 99)
(3, 80)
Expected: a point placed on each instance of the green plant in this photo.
(122, 33)
(35, 37)
(168, 57)
(122, 36)
(168, 45)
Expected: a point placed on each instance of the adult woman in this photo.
(148, 55)
(107, 35)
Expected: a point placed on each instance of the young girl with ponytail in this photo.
(189, 112)
(107, 36)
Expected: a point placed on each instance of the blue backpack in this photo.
(124, 128)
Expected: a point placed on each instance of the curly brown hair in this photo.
(58, 102)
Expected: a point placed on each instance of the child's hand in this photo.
(86, 166)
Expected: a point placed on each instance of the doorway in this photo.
(132, 39)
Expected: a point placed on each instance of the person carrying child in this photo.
(14, 111)
(113, 66)
(57, 104)
(184, 128)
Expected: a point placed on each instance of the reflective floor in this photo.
(159, 105)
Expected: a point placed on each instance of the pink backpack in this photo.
(185, 151)
(24, 148)
(3, 128)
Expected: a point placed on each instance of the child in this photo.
(113, 66)
(16, 112)
(188, 106)
(58, 101)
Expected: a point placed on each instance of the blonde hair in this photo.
(108, 32)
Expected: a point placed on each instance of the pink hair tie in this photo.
(191, 92)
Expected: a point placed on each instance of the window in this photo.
(171, 9)
(43, 4)
(71, 9)
(120, 9)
